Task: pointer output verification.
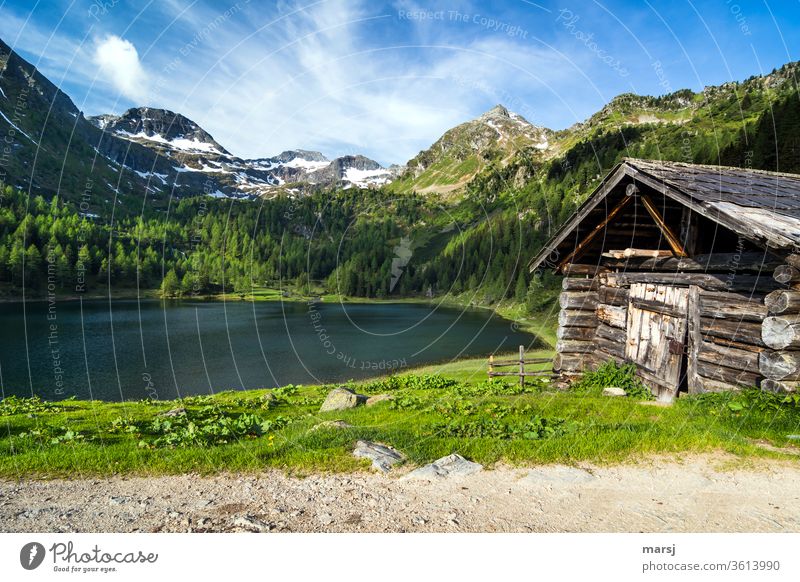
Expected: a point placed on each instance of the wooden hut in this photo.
(690, 272)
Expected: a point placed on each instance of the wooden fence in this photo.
(521, 373)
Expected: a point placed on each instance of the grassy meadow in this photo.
(435, 411)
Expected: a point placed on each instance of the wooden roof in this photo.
(763, 207)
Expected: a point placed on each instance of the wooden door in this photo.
(656, 335)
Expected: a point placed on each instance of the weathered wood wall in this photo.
(780, 332)
(577, 323)
(743, 329)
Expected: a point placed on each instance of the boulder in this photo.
(372, 400)
(447, 467)
(382, 456)
(332, 424)
(614, 391)
(341, 399)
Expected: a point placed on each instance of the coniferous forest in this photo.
(346, 241)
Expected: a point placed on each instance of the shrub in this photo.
(11, 405)
(612, 374)
(210, 425)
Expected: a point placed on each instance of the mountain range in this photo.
(144, 152)
(154, 154)
(463, 216)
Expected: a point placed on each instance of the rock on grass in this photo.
(382, 456)
(614, 391)
(342, 399)
(372, 400)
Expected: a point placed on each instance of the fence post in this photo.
(522, 367)
(491, 365)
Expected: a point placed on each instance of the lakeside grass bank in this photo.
(435, 410)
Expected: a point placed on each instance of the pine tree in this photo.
(522, 288)
(170, 286)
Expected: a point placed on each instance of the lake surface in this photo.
(130, 349)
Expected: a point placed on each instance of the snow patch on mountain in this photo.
(189, 145)
(11, 123)
(367, 177)
(309, 165)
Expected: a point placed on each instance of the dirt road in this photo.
(710, 493)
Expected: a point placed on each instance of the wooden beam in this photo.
(758, 262)
(695, 340)
(608, 184)
(721, 282)
(782, 332)
(673, 241)
(581, 247)
(783, 301)
(575, 284)
(575, 347)
(786, 274)
(575, 318)
(731, 306)
(780, 365)
(571, 269)
(612, 315)
(575, 333)
(631, 252)
(585, 300)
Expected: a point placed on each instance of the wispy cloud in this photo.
(326, 78)
(346, 76)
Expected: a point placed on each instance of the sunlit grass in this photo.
(425, 421)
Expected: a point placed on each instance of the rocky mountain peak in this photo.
(307, 155)
(495, 112)
(169, 129)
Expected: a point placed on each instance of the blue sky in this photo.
(386, 79)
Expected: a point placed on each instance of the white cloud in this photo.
(118, 60)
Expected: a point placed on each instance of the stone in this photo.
(251, 523)
(447, 467)
(331, 424)
(614, 391)
(175, 412)
(558, 474)
(382, 456)
(269, 399)
(342, 399)
(372, 400)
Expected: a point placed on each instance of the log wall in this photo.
(744, 330)
(779, 364)
(577, 324)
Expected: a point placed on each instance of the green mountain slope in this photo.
(506, 186)
(462, 152)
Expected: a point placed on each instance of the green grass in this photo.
(437, 410)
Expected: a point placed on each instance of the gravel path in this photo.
(696, 494)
